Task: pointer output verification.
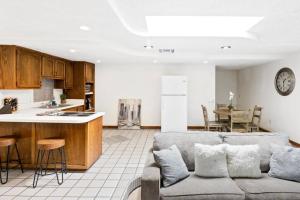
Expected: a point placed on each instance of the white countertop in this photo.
(30, 115)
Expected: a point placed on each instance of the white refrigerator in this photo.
(173, 103)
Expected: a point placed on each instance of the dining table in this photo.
(225, 112)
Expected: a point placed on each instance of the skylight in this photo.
(201, 26)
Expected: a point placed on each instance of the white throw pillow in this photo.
(210, 160)
(243, 161)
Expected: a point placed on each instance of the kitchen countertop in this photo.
(29, 115)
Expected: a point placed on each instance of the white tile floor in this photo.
(124, 155)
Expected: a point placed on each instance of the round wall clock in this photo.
(285, 81)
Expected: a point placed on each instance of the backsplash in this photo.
(27, 97)
(44, 93)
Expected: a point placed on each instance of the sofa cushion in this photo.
(264, 140)
(195, 187)
(285, 163)
(269, 188)
(173, 168)
(185, 143)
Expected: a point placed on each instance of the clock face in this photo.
(285, 81)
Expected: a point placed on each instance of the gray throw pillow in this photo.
(173, 168)
(285, 163)
(210, 160)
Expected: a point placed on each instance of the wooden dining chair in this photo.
(222, 118)
(256, 117)
(239, 121)
(211, 124)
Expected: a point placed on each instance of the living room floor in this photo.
(124, 155)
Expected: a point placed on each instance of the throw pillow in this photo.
(173, 168)
(210, 160)
(285, 163)
(243, 161)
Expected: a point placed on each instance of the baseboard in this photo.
(264, 129)
(295, 144)
(110, 126)
(189, 127)
(153, 127)
(150, 127)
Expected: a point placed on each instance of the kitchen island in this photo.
(83, 135)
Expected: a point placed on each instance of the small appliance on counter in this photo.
(12, 102)
(5, 110)
(88, 103)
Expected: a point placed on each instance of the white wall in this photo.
(25, 97)
(256, 86)
(143, 81)
(226, 81)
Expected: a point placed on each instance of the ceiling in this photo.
(119, 32)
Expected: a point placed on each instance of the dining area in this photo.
(231, 119)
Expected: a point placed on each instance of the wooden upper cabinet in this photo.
(8, 67)
(69, 75)
(47, 67)
(89, 73)
(28, 69)
(59, 69)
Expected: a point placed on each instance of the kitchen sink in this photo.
(67, 114)
(75, 114)
(57, 106)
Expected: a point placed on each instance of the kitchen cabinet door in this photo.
(59, 69)
(7, 67)
(89, 73)
(28, 69)
(47, 67)
(69, 76)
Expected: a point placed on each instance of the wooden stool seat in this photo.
(49, 144)
(8, 142)
(4, 142)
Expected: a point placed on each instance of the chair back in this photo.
(205, 115)
(256, 117)
(240, 116)
(220, 117)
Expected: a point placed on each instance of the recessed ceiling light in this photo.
(225, 47)
(203, 26)
(72, 50)
(155, 61)
(98, 61)
(85, 28)
(205, 61)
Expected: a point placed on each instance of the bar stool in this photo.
(50, 146)
(7, 142)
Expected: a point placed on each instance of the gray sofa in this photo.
(195, 187)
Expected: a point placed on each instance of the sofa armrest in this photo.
(150, 180)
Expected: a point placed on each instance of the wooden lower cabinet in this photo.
(83, 141)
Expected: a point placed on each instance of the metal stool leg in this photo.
(39, 168)
(63, 159)
(6, 168)
(62, 174)
(19, 160)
